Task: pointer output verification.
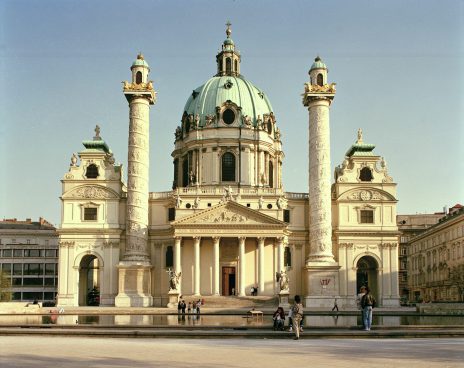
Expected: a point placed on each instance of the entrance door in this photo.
(89, 283)
(366, 274)
(228, 281)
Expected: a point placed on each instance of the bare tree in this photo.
(5, 286)
(457, 279)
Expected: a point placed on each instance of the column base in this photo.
(134, 285)
(390, 302)
(322, 284)
(173, 299)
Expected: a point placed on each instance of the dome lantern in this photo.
(228, 59)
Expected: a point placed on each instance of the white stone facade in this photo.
(228, 225)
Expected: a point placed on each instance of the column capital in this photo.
(216, 239)
(261, 239)
(178, 238)
(196, 239)
(242, 239)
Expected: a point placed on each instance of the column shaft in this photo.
(137, 181)
(216, 241)
(319, 182)
(280, 250)
(196, 249)
(242, 291)
(261, 265)
(177, 259)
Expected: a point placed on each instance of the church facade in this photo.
(227, 227)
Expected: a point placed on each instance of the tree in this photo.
(5, 286)
(457, 279)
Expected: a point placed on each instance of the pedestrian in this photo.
(368, 303)
(279, 319)
(198, 306)
(182, 306)
(179, 306)
(297, 316)
(361, 293)
(335, 307)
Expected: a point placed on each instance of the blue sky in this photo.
(398, 66)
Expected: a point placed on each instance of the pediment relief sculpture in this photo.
(91, 192)
(366, 195)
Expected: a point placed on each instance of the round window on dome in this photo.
(228, 116)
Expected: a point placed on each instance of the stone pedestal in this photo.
(283, 299)
(322, 285)
(134, 285)
(173, 298)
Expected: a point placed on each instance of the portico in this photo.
(228, 239)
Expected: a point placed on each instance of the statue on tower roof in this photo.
(228, 30)
(97, 133)
(360, 136)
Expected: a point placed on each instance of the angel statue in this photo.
(282, 279)
(174, 279)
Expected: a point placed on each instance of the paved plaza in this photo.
(65, 352)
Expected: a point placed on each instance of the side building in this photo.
(436, 260)
(29, 259)
(409, 227)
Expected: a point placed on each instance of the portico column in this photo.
(241, 245)
(280, 251)
(261, 264)
(216, 241)
(177, 259)
(196, 251)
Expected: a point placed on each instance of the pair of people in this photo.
(366, 303)
(181, 306)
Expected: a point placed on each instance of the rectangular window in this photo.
(49, 296)
(90, 214)
(32, 296)
(17, 253)
(33, 281)
(287, 216)
(49, 281)
(33, 269)
(49, 269)
(17, 269)
(32, 253)
(367, 217)
(16, 296)
(287, 257)
(6, 269)
(171, 214)
(16, 281)
(6, 253)
(50, 253)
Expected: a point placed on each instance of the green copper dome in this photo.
(318, 64)
(228, 41)
(220, 89)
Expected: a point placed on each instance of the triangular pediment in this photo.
(229, 213)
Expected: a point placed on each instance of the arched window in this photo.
(92, 172)
(271, 175)
(185, 171)
(320, 80)
(228, 66)
(228, 167)
(236, 66)
(138, 77)
(365, 174)
(169, 257)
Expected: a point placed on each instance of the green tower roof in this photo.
(318, 64)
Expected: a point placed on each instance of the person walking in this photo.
(368, 303)
(297, 315)
(361, 293)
